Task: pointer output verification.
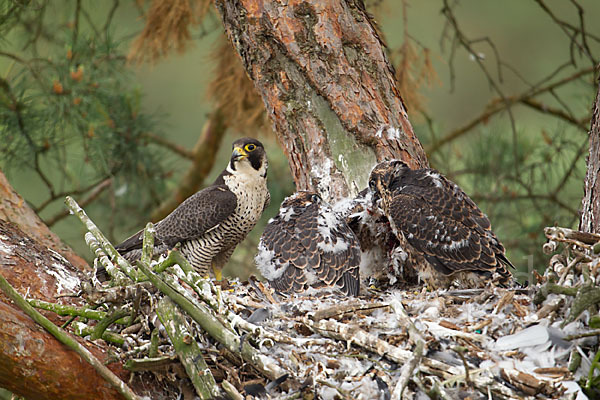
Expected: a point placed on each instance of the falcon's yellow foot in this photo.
(217, 272)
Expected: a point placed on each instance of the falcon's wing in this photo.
(340, 256)
(449, 231)
(299, 245)
(432, 187)
(196, 215)
(282, 237)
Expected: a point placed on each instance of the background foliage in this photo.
(499, 94)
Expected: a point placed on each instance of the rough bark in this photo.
(33, 363)
(328, 87)
(590, 205)
(14, 209)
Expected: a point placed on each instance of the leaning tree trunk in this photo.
(324, 77)
(13, 208)
(590, 205)
(33, 363)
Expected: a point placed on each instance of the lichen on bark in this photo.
(328, 87)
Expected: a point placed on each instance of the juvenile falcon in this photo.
(444, 235)
(309, 244)
(212, 222)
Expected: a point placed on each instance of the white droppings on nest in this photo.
(65, 280)
(6, 248)
(359, 347)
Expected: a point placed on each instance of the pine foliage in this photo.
(70, 113)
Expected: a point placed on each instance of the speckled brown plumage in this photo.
(307, 244)
(445, 235)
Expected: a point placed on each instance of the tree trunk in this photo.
(14, 209)
(33, 363)
(324, 77)
(590, 205)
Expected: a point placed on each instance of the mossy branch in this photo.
(63, 310)
(187, 349)
(116, 275)
(205, 318)
(174, 257)
(108, 248)
(67, 340)
(83, 330)
(551, 287)
(148, 243)
(101, 327)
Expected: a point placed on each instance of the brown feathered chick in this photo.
(445, 236)
(309, 244)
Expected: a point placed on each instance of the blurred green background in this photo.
(525, 168)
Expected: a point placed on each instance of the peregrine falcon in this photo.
(309, 244)
(212, 222)
(441, 231)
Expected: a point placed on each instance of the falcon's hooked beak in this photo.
(238, 154)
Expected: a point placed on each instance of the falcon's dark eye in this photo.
(372, 185)
(315, 198)
(250, 147)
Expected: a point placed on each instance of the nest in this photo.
(243, 339)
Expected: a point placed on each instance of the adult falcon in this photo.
(212, 222)
(446, 237)
(308, 244)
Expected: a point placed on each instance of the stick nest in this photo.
(533, 342)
